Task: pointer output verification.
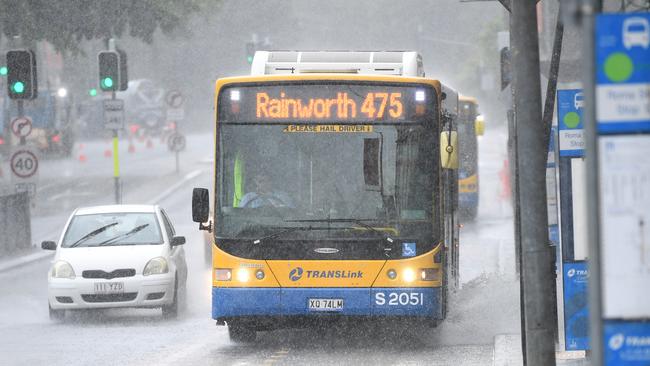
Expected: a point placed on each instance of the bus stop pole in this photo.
(536, 276)
(589, 10)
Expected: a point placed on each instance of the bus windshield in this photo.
(271, 176)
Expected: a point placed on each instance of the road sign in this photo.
(30, 188)
(570, 104)
(623, 73)
(176, 142)
(113, 114)
(24, 165)
(175, 114)
(21, 126)
(174, 99)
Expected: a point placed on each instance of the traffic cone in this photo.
(82, 158)
(108, 153)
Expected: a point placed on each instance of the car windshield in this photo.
(110, 229)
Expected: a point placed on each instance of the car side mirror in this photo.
(48, 245)
(178, 240)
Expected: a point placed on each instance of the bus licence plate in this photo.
(325, 304)
(109, 287)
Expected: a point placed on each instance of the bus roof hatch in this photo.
(403, 63)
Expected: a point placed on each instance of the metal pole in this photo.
(551, 87)
(589, 9)
(116, 164)
(21, 113)
(536, 275)
(177, 163)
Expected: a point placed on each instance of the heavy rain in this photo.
(310, 182)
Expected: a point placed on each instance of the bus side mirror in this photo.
(449, 150)
(479, 126)
(201, 207)
(371, 170)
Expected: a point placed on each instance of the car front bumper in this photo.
(138, 291)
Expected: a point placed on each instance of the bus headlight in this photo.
(429, 274)
(243, 275)
(408, 275)
(62, 269)
(222, 274)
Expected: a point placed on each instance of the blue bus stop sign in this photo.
(570, 103)
(623, 73)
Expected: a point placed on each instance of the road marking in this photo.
(169, 191)
(277, 356)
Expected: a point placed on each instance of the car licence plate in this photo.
(109, 287)
(325, 304)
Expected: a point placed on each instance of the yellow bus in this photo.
(470, 125)
(329, 192)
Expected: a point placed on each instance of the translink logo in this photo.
(297, 272)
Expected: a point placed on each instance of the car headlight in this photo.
(62, 269)
(157, 265)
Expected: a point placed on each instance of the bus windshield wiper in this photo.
(91, 234)
(285, 231)
(359, 222)
(122, 236)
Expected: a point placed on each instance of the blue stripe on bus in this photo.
(234, 302)
(467, 200)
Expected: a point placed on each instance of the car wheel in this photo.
(56, 314)
(241, 334)
(171, 311)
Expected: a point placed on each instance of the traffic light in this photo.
(3, 70)
(21, 74)
(250, 51)
(112, 70)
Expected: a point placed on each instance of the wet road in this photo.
(484, 307)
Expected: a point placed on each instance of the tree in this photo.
(64, 23)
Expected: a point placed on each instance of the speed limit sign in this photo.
(24, 165)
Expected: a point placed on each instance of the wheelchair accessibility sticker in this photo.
(408, 250)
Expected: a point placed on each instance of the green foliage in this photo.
(64, 23)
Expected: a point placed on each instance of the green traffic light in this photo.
(3, 70)
(107, 83)
(18, 87)
(250, 59)
(92, 92)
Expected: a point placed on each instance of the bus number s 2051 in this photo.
(399, 298)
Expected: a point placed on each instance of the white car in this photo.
(636, 32)
(117, 256)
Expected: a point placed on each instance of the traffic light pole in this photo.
(21, 113)
(116, 163)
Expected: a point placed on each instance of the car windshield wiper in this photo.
(91, 234)
(359, 222)
(122, 236)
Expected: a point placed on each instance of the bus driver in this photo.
(264, 195)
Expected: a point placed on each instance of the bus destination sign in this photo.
(324, 103)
